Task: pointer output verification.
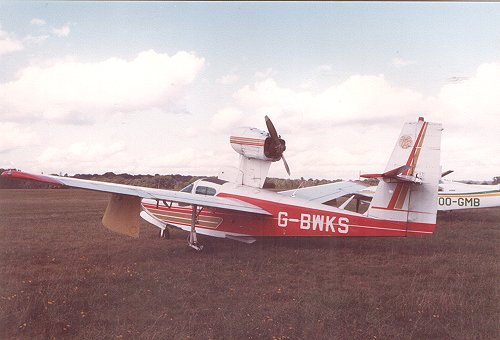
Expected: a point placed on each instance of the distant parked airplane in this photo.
(456, 195)
(451, 195)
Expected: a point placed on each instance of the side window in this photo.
(201, 190)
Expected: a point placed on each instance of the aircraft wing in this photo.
(141, 192)
(326, 192)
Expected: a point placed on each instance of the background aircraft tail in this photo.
(408, 188)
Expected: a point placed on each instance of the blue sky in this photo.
(331, 71)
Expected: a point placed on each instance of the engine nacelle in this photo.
(253, 143)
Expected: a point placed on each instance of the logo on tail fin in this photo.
(405, 141)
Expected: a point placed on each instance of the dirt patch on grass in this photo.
(63, 275)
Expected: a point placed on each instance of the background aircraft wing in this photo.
(141, 192)
(326, 192)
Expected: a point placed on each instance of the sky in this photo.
(157, 87)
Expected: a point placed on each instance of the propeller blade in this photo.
(446, 173)
(271, 129)
(279, 145)
(286, 165)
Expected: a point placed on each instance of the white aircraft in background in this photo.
(451, 195)
(456, 195)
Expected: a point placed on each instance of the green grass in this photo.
(63, 275)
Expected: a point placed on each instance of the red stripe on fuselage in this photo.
(301, 222)
(297, 221)
(246, 141)
(250, 144)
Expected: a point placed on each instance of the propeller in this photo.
(446, 173)
(278, 143)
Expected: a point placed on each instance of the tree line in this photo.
(177, 182)
(172, 182)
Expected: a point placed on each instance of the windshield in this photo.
(189, 188)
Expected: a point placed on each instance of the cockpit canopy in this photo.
(204, 186)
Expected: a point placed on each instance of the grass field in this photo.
(63, 275)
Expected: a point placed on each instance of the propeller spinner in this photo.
(278, 145)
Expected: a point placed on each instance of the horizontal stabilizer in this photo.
(390, 173)
(396, 174)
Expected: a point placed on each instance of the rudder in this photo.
(408, 188)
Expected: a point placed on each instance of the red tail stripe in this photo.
(409, 162)
(417, 144)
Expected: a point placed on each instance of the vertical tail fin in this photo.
(408, 188)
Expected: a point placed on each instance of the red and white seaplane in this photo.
(236, 206)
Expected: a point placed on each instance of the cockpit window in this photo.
(189, 188)
(201, 190)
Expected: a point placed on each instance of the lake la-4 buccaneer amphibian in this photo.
(236, 206)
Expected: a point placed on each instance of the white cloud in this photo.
(73, 91)
(62, 31)
(37, 22)
(400, 62)
(470, 111)
(115, 156)
(186, 160)
(471, 99)
(226, 119)
(266, 95)
(358, 98)
(324, 69)
(228, 79)
(82, 151)
(36, 39)
(332, 132)
(265, 74)
(90, 157)
(9, 43)
(329, 131)
(14, 136)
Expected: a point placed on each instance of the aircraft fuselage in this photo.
(290, 216)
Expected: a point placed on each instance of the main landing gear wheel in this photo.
(194, 244)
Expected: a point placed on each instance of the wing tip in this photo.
(16, 174)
